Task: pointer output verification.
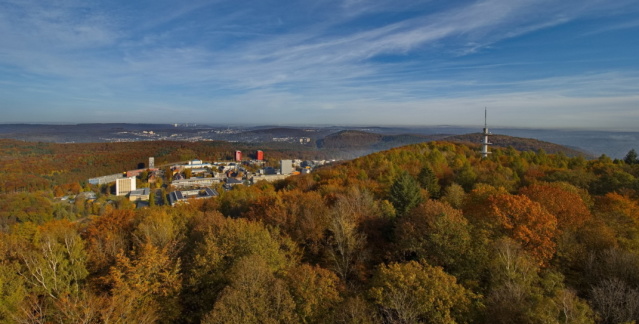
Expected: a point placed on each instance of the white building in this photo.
(196, 164)
(195, 182)
(184, 195)
(124, 186)
(286, 167)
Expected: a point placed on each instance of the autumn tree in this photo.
(345, 243)
(224, 242)
(161, 229)
(316, 292)
(53, 260)
(374, 220)
(527, 223)
(466, 176)
(356, 310)
(50, 266)
(514, 216)
(236, 202)
(107, 236)
(152, 198)
(521, 293)
(477, 200)
(562, 200)
(144, 287)
(440, 234)
(611, 264)
(12, 284)
(615, 301)
(254, 295)
(85, 308)
(417, 292)
(454, 195)
(621, 214)
(304, 216)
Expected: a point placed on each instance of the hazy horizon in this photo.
(477, 127)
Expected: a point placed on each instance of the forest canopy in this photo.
(426, 233)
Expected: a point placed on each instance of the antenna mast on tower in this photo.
(485, 143)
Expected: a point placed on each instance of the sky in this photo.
(531, 63)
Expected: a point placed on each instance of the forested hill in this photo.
(372, 142)
(519, 143)
(358, 143)
(425, 233)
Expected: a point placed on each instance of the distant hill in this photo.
(355, 139)
(518, 143)
(360, 143)
(354, 143)
(349, 139)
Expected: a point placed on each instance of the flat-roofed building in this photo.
(135, 173)
(268, 177)
(106, 179)
(195, 164)
(182, 196)
(199, 170)
(140, 194)
(195, 182)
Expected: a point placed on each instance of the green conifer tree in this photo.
(428, 181)
(631, 157)
(405, 193)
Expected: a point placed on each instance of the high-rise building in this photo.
(260, 155)
(124, 186)
(238, 156)
(151, 163)
(286, 167)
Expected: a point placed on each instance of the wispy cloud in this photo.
(631, 24)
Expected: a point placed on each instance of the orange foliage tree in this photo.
(525, 221)
(562, 200)
(107, 236)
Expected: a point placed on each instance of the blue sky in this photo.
(533, 63)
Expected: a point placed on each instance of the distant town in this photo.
(176, 183)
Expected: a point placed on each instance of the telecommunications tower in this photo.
(485, 143)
